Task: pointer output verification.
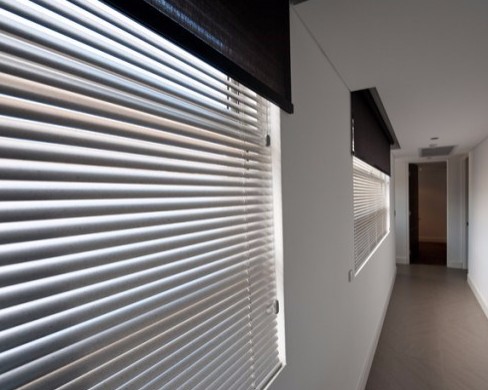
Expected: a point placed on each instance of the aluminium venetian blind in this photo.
(136, 210)
(371, 210)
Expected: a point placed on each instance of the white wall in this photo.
(433, 202)
(478, 217)
(401, 211)
(455, 220)
(455, 214)
(331, 324)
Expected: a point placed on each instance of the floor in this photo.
(434, 253)
(435, 335)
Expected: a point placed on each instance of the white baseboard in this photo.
(455, 265)
(402, 260)
(481, 300)
(363, 380)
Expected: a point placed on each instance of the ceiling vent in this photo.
(437, 151)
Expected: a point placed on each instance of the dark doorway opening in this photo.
(428, 213)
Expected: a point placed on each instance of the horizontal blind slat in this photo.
(134, 97)
(44, 112)
(51, 209)
(125, 319)
(54, 134)
(190, 232)
(56, 360)
(61, 154)
(24, 89)
(33, 189)
(126, 24)
(43, 229)
(154, 376)
(146, 252)
(102, 58)
(222, 367)
(85, 30)
(53, 312)
(131, 273)
(126, 354)
(52, 171)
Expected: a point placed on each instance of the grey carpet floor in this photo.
(435, 335)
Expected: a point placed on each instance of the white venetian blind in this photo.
(371, 210)
(136, 210)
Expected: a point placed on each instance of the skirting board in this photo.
(455, 265)
(363, 381)
(483, 303)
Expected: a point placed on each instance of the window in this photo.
(140, 210)
(371, 211)
(372, 138)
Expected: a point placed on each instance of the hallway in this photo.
(435, 335)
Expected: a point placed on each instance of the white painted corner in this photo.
(402, 260)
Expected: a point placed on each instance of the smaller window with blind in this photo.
(371, 211)
(372, 138)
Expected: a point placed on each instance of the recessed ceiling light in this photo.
(439, 151)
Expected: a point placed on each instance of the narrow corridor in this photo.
(435, 335)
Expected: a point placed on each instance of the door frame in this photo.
(423, 161)
(465, 204)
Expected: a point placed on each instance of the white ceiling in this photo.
(427, 58)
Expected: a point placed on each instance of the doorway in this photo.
(428, 213)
